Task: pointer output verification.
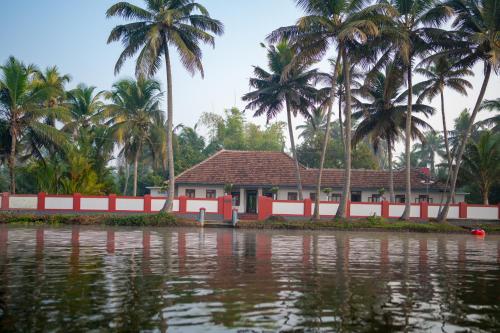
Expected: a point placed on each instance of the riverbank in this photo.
(276, 223)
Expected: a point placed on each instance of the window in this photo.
(400, 198)
(374, 198)
(292, 195)
(211, 194)
(335, 197)
(312, 196)
(355, 196)
(423, 198)
(190, 193)
(236, 198)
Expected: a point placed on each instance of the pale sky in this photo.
(73, 34)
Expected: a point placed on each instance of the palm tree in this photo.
(383, 116)
(439, 76)
(181, 24)
(274, 91)
(344, 24)
(431, 145)
(52, 79)
(481, 163)
(411, 34)
(132, 116)
(494, 121)
(478, 24)
(86, 108)
(313, 125)
(21, 106)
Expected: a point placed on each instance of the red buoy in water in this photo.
(478, 232)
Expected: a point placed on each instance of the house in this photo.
(249, 174)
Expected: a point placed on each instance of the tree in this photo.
(345, 24)
(383, 116)
(412, 33)
(430, 146)
(494, 121)
(85, 107)
(478, 24)
(21, 106)
(277, 90)
(439, 76)
(163, 24)
(132, 115)
(481, 163)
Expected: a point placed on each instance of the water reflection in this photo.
(189, 280)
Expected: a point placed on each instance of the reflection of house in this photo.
(254, 173)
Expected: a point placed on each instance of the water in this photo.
(80, 279)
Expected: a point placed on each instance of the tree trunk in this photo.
(325, 140)
(406, 213)
(170, 112)
(445, 133)
(12, 160)
(136, 168)
(458, 157)
(294, 152)
(485, 196)
(127, 176)
(391, 171)
(347, 151)
(340, 122)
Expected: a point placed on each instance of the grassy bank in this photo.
(372, 223)
(154, 220)
(169, 220)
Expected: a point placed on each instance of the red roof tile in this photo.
(278, 169)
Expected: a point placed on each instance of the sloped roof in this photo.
(278, 169)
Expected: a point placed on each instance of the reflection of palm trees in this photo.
(110, 241)
(146, 252)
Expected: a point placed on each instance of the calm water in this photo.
(77, 279)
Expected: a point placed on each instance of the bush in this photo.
(156, 220)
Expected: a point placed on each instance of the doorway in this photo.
(251, 206)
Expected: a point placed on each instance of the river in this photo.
(80, 279)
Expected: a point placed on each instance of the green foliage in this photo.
(153, 220)
(232, 131)
(481, 164)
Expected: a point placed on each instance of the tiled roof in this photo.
(278, 169)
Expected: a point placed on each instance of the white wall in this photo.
(483, 213)
(326, 209)
(94, 203)
(201, 191)
(23, 202)
(288, 208)
(58, 202)
(194, 206)
(157, 205)
(130, 204)
(366, 209)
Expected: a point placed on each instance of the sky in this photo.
(72, 35)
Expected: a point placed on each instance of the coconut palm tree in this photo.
(313, 126)
(494, 121)
(383, 115)
(134, 108)
(439, 76)
(157, 28)
(274, 92)
(481, 163)
(412, 34)
(478, 28)
(431, 145)
(22, 108)
(86, 108)
(344, 24)
(51, 78)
